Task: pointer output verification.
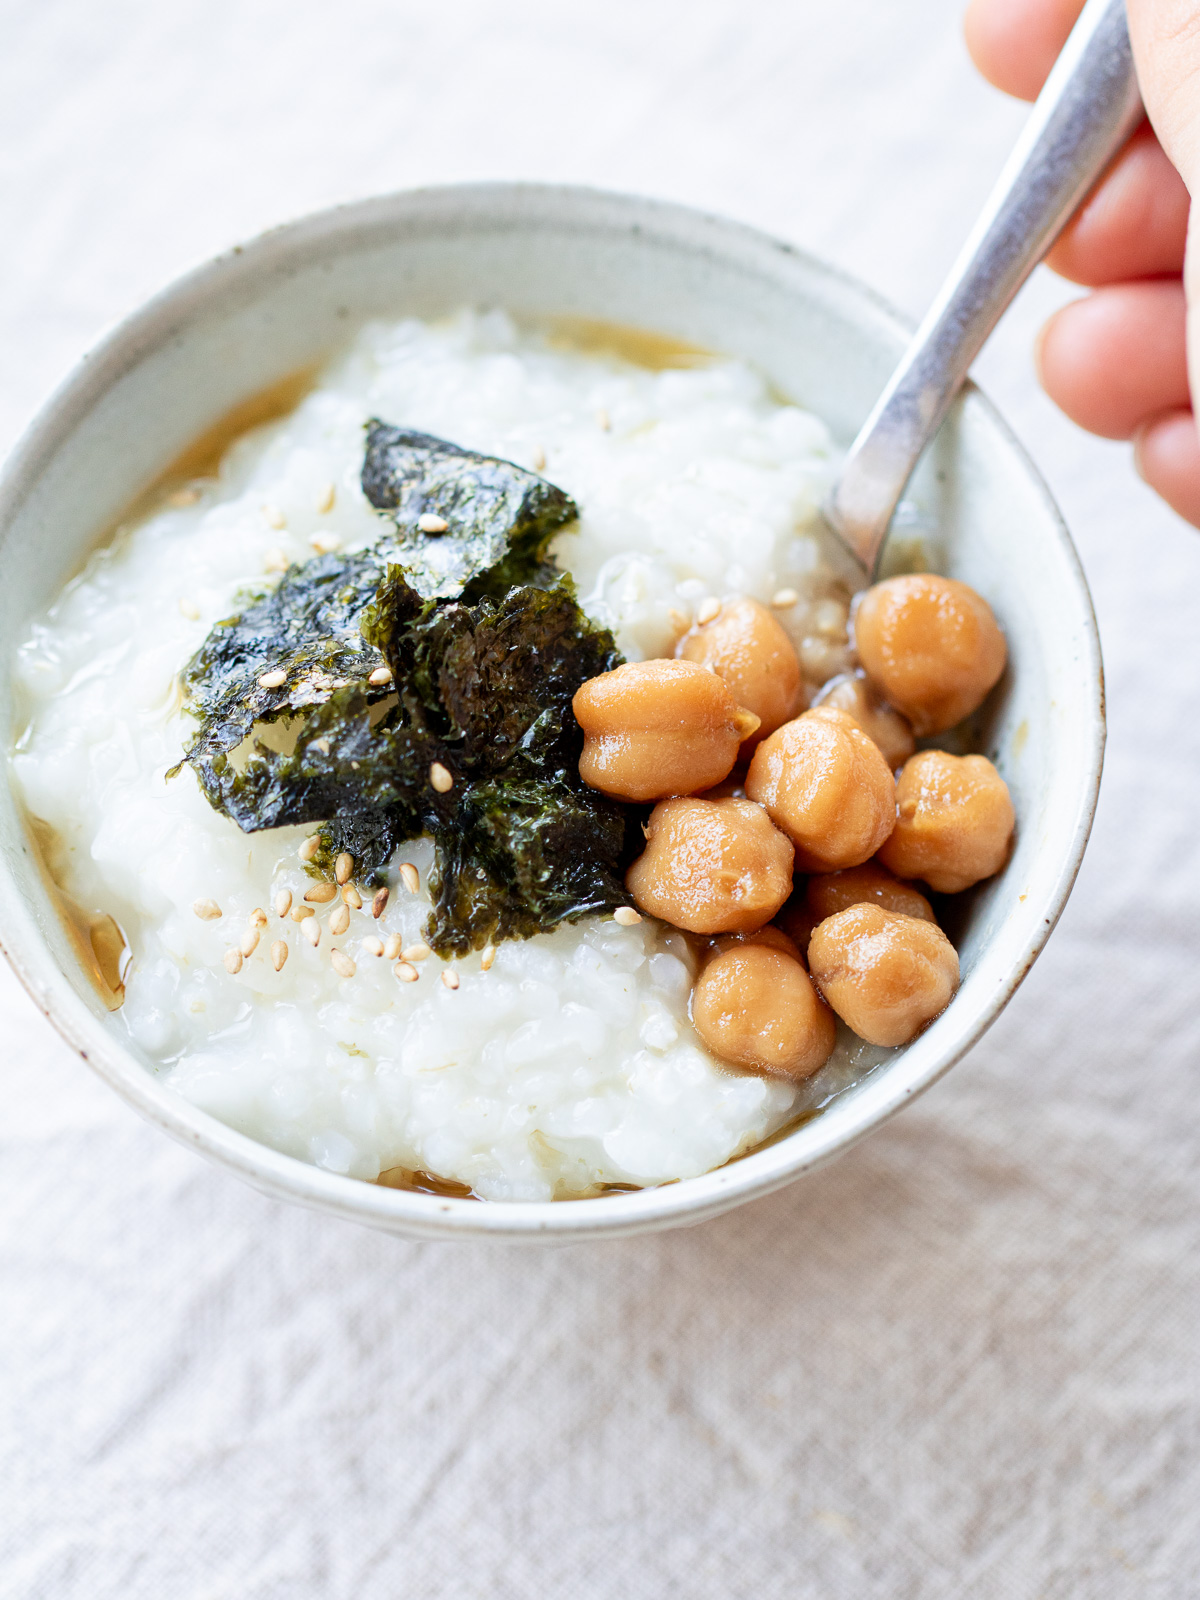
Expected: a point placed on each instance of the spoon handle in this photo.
(1087, 109)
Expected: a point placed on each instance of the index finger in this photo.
(1014, 43)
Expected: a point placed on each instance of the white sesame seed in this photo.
(311, 931)
(279, 954)
(273, 680)
(342, 964)
(539, 460)
(310, 847)
(300, 913)
(441, 778)
(283, 902)
(325, 543)
(206, 910)
(430, 522)
(709, 610)
(275, 560)
(275, 517)
(352, 897)
(372, 946)
(488, 956)
(189, 609)
(379, 902)
(183, 497)
(380, 675)
(411, 877)
(259, 917)
(626, 916)
(784, 598)
(391, 946)
(339, 920)
(249, 942)
(320, 894)
(328, 496)
(343, 867)
(416, 952)
(405, 973)
(603, 420)
(233, 962)
(450, 979)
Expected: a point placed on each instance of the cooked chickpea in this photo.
(852, 694)
(954, 819)
(712, 866)
(931, 646)
(755, 1008)
(827, 786)
(658, 728)
(828, 893)
(886, 975)
(771, 936)
(746, 646)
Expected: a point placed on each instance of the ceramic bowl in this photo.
(262, 311)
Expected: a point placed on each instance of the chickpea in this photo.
(658, 728)
(954, 818)
(830, 892)
(755, 1008)
(852, 694)
(712, 866)
(886, 975)
(746, 646)
(826, 785)
(771, 936)
(931, 646)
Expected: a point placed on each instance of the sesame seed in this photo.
(411, 877)
(343, 867)
(275, 560)
(626, 916)
(189, 609)
(784, 598)
(391, 946)
(328, 496)
(249, 942)
(539, 460)
(283, 902)
(405, 973)
(380, 675)
(417, 952)
(279, 954)
(310, 847)
(275, 517)
(352, 897)
(709, 610)
(259, 917)
(339, 921)
(299, 913)
(449, 979)
(311, 931)
(372, 946)
(430, 522)
(488, 956)
(233, 962)
(206, 910)
(183, 497)
(320, 894)
(342, 964)
(325, 543)
(273, 680)
(603, 420)
(441, 778)
(379, 903)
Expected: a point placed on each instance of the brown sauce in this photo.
(96, 937)
(655, 351)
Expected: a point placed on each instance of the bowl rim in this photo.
(682, 1201)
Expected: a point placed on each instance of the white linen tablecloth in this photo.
(961, 1361)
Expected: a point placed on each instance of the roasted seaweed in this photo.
(499, 517)
(484, 688)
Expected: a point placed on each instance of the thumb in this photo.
(1166, 50)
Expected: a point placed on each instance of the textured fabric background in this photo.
(964, 1359)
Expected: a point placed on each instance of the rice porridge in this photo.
(547, 1067)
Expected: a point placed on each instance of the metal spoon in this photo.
(1087, 109)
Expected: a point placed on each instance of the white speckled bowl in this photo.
(262, 311)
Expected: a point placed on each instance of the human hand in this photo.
(1117, 361)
